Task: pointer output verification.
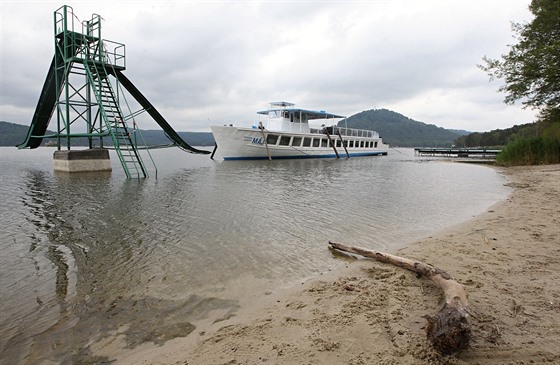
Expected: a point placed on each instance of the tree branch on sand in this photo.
(449, 330)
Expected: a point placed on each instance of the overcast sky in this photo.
(215, 62)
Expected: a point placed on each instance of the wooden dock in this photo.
(457, 152)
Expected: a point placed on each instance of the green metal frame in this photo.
(89, 101)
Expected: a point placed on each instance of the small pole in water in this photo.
(261, 127)
(326, 131)
(343, 145)
(214, 151)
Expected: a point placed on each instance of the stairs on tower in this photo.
(83, 91)
(122, 135)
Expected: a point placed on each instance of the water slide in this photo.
(45, 108)
(145, 103)
(49, 95)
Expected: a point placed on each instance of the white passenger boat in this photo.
(286, 133)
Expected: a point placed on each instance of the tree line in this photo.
(531, 74)
(498, 137)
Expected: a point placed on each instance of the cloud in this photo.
(220, 61)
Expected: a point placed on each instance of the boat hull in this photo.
(236, 143)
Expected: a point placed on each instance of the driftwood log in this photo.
(449, 330)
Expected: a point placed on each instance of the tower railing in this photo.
(87, 93)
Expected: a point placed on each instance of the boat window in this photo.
(375, 144)
(324, 143)
(345, 143)
(338, 144)
(285, 141)
(316, 142)
(351, 144)
(362, 144)
(296, 142)
(271, 139)
(307, 142)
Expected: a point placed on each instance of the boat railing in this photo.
(352, 132)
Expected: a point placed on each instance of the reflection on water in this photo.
(86, 257)
(92, 244)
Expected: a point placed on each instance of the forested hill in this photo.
(394, 128)
(398, 130)
(12, 134)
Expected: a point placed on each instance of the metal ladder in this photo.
(123, 137)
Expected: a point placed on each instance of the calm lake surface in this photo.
(86, 256)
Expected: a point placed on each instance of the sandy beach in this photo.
(508, 260)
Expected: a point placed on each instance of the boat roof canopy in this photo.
(281, 103)
(311, 114)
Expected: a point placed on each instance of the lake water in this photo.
(86, 256)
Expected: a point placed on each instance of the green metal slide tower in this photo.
(85, 89)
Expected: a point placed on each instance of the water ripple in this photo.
(87, 255)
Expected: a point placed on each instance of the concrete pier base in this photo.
(91, 160)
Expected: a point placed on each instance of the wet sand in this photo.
(508, 259)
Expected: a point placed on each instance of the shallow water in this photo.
(87, 256)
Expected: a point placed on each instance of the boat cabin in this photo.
(283, 118)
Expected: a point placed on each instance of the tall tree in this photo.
(531, 69)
